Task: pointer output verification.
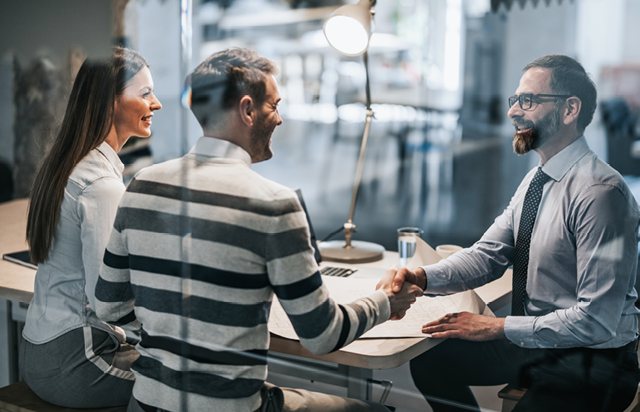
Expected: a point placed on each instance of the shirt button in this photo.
(555, 345)
(521, 343)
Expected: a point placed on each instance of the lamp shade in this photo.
(348, 29)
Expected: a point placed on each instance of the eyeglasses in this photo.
(526, 100)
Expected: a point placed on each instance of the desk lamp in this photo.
(348, 30)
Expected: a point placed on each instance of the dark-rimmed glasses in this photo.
(526, 100)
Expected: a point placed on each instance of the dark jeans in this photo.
(577, 379)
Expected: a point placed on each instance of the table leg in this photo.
(8, 345)
(357, 387)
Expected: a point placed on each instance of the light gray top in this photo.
(64, 296)
(583, 257)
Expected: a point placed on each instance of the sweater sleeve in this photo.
(322, 324)
(114, 294)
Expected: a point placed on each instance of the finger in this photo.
(443, 320)
(445, 335)
(389, 274)
(399, 280)
(398, 315)
(436, 328)
(387, 279)
(433, 323)
(410, 276)
(416, 291)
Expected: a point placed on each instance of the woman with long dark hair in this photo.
(68, 356)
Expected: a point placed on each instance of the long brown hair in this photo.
(86, 124)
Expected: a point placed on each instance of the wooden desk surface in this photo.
(16, 284)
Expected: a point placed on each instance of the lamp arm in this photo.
(367, 88)
(349, 226)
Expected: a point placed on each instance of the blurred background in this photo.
(439, 155)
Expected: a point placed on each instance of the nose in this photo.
(515, 111)
(279, 118)
(155, 104)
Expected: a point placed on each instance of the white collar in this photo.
(213, 147)
(111, 155)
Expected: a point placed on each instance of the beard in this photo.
(261, 139)
(537, 134)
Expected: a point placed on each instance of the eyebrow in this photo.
(271, 99)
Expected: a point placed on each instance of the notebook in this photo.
(21, 258)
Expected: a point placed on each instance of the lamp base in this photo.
(359, 252)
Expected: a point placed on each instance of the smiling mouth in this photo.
(147, 119)
(522, 128)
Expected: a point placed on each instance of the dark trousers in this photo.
(577, 379)
(83, 368)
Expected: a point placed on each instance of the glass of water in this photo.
(407, 243)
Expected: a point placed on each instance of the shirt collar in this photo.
(111, 155)
(561, 163)
(213, 147)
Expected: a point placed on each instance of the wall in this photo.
(31, 28)
(531, 33)
(156, 35)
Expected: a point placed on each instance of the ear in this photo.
(246, 109)
(572, 110)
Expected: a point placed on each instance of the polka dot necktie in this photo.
(521, 257)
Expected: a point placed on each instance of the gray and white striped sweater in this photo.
(199, 246)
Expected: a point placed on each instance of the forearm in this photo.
(468, 269)
(332, 326)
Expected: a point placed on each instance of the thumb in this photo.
(398, 280)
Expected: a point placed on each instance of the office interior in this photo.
(439, 155)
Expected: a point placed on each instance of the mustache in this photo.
(522, 123)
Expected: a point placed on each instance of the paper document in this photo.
(425, 310)
(425, 255)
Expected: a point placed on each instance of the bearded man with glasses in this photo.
(570, 232)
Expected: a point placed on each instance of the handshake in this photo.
(402, 286)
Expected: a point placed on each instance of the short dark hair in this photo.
(220, 81)
(569, 77)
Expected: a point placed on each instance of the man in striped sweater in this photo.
(200, 245)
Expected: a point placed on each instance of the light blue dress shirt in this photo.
(583, 257)
(64, 296)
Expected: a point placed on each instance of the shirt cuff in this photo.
(437, 281)
(519, 330)
(382, 301)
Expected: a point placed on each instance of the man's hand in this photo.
(415, 276)
(466, 326)
(401, 300)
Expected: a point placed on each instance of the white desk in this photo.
(355, 362)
